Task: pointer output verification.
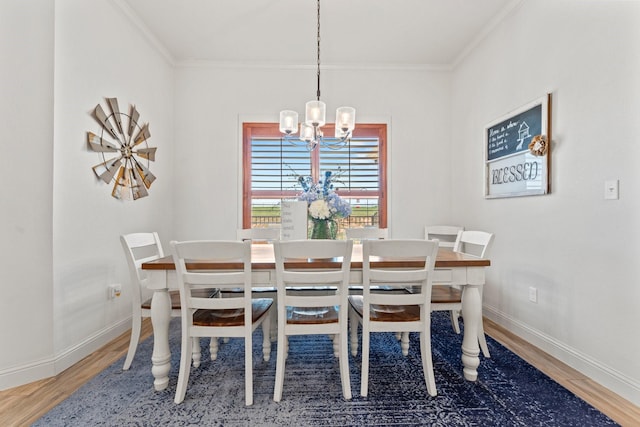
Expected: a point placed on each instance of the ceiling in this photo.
(362, 33)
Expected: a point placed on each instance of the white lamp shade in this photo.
(288, 122)
(315, 113)
(345, 120)
(306, 132)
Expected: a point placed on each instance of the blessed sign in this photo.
(517, 155)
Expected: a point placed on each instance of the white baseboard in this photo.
(606, 376)
(25, 374)
(45, 368)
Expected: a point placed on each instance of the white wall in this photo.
(211, 102)
(26, 109)
(60, 226)
(98, 58)
(573, 246)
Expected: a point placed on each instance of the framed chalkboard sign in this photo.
(517, 151)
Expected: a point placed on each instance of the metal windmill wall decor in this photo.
(122, 135)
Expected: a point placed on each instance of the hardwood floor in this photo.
(615, 407)
(23, 405)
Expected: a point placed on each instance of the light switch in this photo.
(611, 190)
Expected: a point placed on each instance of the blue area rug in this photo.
(509, 392)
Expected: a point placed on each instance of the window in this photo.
(271, 166)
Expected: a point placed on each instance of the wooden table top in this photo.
(263, 258)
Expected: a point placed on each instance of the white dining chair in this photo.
(475, 243)
(445, 297)
(259, 234)
(139, 248)
(395, 312)
(364, 233)
(304, 311)
(446, 234)
(237, 315)
(360, 234)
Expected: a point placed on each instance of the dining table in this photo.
(451, 268)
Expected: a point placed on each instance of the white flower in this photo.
(319, 209)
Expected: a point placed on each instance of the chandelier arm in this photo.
(340, 143)
(297, 142)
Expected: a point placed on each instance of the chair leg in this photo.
(266, 338)
(280, 362)
(248, 369)
(213, 348)
(364, 382)
(427, 363)
(133, 341)
(286, 347)
(274, 323)
(404, 343)
(353, 329)
(196, 353)
(455, 314)
(336, 339)
(344, 364)
(482, 340)
(185, 366)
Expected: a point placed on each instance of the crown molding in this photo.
(142, 28)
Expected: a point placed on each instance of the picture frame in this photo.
(517, 151)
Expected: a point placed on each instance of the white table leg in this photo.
(161, 357)
(472, 315)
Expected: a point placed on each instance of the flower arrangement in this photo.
(324, 205)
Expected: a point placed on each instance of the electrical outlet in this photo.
(115, 291)
(533, 294)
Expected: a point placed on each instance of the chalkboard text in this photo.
(526, 171)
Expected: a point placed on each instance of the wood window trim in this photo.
(252, 130)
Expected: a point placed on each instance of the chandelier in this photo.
(315, 117)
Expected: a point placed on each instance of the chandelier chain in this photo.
(318, 46)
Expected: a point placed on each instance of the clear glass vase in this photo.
(323, 229)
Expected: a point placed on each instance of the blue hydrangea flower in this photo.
(324, 190)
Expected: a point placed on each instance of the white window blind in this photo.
(358, 163)
(276, 165)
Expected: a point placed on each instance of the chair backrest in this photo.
(419, 279)
(291, 259)
(472, 242)
(446, 234)
(236, 257)
(140, 248)
(366, 233)
(261, 234)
